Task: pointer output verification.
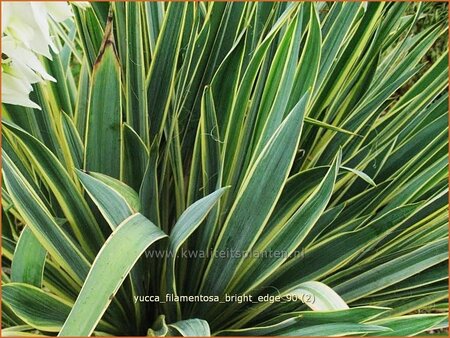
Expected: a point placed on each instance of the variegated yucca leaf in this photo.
(293, 149)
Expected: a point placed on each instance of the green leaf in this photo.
(37, 308)
(308, 66)
(360, 174)
(316, 262)
(42, 223)
(149, 190)
(410, 325)
(333, 41)
(90, 31)
(318, 296)
(291, 321)
(110, 203)
(154, 12)
(16, 331)
(192, 328)
(135, 158)
(29, 260)
(328, 126)
(159, 327)
(188, 222)
(60, 90)
(290, 235)
(394, 271)
(136, 103)
(82, 102)
(70, 200)
(256, 199)
(359, 314)
(280, 78)
(73, 141)
(162, 71)
(132, 236)
(337, 329)
(234, 131)
(103, 131)
(126, 192)
(40, 309)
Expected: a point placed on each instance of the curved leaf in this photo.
(132, 236)
(192, 328)
(256, 199)
(29, 260)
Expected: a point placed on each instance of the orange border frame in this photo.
(448, 77)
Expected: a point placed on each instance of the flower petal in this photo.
(59, 11)
(15, 91)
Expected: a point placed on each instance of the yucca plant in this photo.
(197, 151)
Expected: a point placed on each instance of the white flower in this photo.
(16, 91)
(81, 4)
(25, 35)
(24, 58)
